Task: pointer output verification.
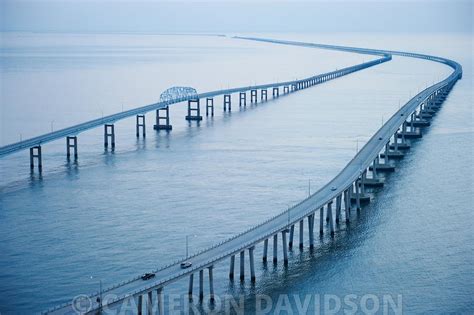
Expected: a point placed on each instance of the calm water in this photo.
(115, 215)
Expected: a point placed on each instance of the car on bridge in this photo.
(186, 264)
(148, 276)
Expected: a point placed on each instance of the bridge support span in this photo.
(210, 105)
(109, 132)
(163, 115)
(194, 110)
(35, 153)
(227, 102)
(140, 124)
(71, 143)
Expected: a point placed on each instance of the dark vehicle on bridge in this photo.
(148, 276)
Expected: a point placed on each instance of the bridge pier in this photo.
(347, 205)
(140, 305)
(263, 93)
(357, 194)
(292, 233)
(253, 96)
(201, 284)
(285, 250)
(275, 248)
(232, 263)
(331, 221)
(265, 250)
(71, 142)
(242, 265)
(140, 124)
(301, 233)
(159, 299)
(190, 287)
(286, 89)
(276, 92)
(252, 264)
(165, 116)
(374, 181)
(293, 87)
(109, 134)
(321, 221)
(194, 112)
(242, 99)
(227, 102)
(338, 208)
(211, 283)
(210, 104)
(311, 230)
(149, 303)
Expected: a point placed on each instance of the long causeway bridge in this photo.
(332, 203)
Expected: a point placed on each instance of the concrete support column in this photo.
(149, 303)
(362, 183)
(311, 230)
(140, 124)
(194, 110)
(109, 132)
(285, 250)
(227, 102)
(71, 143)
(140, 305)
(276, 92)
(286, 89)
(162, 121)
(338, 208)
(263, 94)
(159, 298)
(374, 168)
(357, 188)
(191, 284)
(331, 221)
(253, 96)
(210, 105)
(242, 99)
(292, 233)
(275, 248)
(321, 221)
(211, 284)
(387, 148)
(242, 265)
(301, 234)
(265, 250)
(252, 264)
(347, 205)
(232, 264)
(201, 284)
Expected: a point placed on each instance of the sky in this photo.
(192, 16)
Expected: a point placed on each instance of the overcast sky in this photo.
(236, 16)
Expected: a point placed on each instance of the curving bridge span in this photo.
(346, 191)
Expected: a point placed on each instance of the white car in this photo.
(333, 188)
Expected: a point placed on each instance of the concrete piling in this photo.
(109, 132)
(252, 264)
(232, 263)
(210, 105)
(242, 265)
(275, 248)
(140, 123)
(265, 250)
(285, 250)
(227, 102)
(253, 96)
(71, 143)
(301, 233)
(242, 99)
(162, 121)
(194, 110)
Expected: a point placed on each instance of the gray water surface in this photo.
(115, 215)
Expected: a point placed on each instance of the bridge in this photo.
(332, 203)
